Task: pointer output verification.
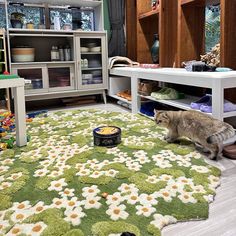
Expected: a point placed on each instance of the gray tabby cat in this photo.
(199, 127)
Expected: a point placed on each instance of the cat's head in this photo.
(162, 118)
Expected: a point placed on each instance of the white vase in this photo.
(57, 25)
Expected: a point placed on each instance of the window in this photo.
(212, 26)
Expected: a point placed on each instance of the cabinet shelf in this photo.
(90, 53)
(180, 103)
(42, 62)
(149, 14)
(120, 98)
(91, 68)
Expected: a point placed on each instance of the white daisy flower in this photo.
(72, 203)
(67, 192)
(57, 185)
(74, 216)
(152, 179)
(80, 166)
(111, 173)
(15, 176)
(59, 203)
(187, 197)
(114, 150)
(90, 191)
(165, 194)
(34, 229)
(132, 165)
(172, 157)
(184, 163)
(147, 199)
(3, 169)
(122, 154)
(195, 155)
(132, 198)
(117, 212)
(214, 181)
(55, 173)
(19, 216)
(39, 207)
(140, 153)
(17, 229)
(83, 172)
(209, 198)
(40, 172)
(128, 188)
(163, 164)
(145, 210)
(7, 161)
(93, 161)
(114, 199)
(165, 177)
(200, 169)
(119, 159)
(166, 152)
(183, 180)
(143, 160)
(96, 174)
(4, 185)
(174, 187)
(4, 224)
(46, 163)
(19, 206)
(92, 202)
(198, 189)
(160, 221)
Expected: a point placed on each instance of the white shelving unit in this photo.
(53, 79)
(216, 81)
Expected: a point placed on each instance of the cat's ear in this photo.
(155, 111)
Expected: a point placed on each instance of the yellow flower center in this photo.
(36, 228)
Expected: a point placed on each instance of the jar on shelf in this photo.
(55, 56)
(67, 53)
(61, 53)
(155, 49)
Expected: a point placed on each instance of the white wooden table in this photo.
(17, 86)
(216, 81)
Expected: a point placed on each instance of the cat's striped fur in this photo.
(199, 127)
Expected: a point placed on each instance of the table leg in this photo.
(19, 104)
(134, 93)
(218, 101)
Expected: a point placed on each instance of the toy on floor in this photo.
(107, 136)
(7, 128)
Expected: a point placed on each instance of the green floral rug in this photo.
(60, 184)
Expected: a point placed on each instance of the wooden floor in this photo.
(222, 218)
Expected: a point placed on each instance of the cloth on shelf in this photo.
(204, 104)
(126, 94)
(119, 61)
(147, 87)
(167, 94)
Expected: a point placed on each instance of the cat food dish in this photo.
(107, 136)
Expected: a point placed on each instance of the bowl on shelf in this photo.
(23, 54)
(84, 49)
(91, 45)
(95, 49)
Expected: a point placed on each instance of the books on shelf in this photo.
(119, 61)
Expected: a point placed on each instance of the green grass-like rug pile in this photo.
(58, 183)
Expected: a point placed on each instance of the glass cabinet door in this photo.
(60, 78)
(35, 79)
(91, 62)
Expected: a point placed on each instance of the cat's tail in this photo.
(226, 133)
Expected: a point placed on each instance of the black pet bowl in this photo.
(107, 136)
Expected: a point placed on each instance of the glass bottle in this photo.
(67, 53)
(155, 49)
(55, 54)
(61, 53)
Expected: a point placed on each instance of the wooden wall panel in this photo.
(168, 32)
(131, 29)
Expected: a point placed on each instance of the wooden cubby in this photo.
(143, 23)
